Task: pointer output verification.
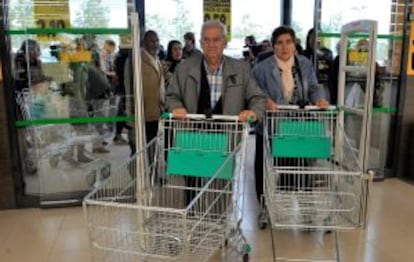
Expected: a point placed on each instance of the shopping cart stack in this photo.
(179, 199)
(313, 180)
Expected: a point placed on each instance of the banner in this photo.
(218, 10)
(51, 14)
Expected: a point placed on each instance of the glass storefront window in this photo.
(68, 99)
(176, 17)
(335, 13)
(302, 19)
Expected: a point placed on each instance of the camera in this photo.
(255, 49)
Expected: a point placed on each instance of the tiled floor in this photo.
(51, 235)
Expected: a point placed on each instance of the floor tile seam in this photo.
(56, 236)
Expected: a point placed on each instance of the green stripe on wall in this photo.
(96, 31)
(379, 36)
(73, 120)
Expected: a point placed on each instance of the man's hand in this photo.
(179, 113)
(270, 104)
(245, 115)
(322, 103)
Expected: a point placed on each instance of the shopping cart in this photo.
(48, 142)
(313, 181)
(179, 199)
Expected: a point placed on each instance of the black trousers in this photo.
(151, 130)
(258, 166)
(121, 112)
(289, 182)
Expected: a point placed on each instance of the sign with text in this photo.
(218, 10)
(51, 14)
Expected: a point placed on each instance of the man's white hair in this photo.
(214, 24)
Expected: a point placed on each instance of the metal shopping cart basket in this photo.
(313, 181)
(179, 199)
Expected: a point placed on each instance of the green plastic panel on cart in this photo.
(301, 139)
(198, 154)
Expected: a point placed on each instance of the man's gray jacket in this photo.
(239, 90)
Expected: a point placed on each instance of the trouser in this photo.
(290, 182)
(98, 110)
(151, 130)
(258, 166)
(121, 112)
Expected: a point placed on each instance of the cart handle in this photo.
(168, 115)
(307, 108)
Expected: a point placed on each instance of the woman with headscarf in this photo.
(174, 56)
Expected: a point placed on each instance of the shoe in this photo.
(119, 140)
(100, 150)
(82, 158)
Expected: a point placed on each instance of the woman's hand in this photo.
(245, 115)
(322, 103)
(179, 113)
(270, 104)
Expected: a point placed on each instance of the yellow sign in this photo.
(219, 10)
(410, 65)
(76, 57)
(53, 14)
(358, 57)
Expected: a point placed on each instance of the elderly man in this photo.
(214, 83)
(189, 48)
(153, 86)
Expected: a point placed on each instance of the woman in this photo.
(174, 56)
(324, 56)
(286, 78)
(29, 53)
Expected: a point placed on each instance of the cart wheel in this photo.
(91, 178)
(105, 172)
(262, 224)
(54, 161)
(246, 258)
(262, 220)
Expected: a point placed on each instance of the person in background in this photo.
(285, 78)
(189, 48)
(213, 83)
(266, 46)
(27, 74)
(252, 49)
(267, 51)
(27, 64)
(107, 57)
(119, 66)
(98, 91)
(323, 55)
(162, 54)
(153, 87)
(174, 56)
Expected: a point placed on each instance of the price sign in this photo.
(51, 14)
(219, 10)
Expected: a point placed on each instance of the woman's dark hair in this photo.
(251, 39)
(190, 36)
(311, 33)
(281, 30)
(170, 47)
(31, 45)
